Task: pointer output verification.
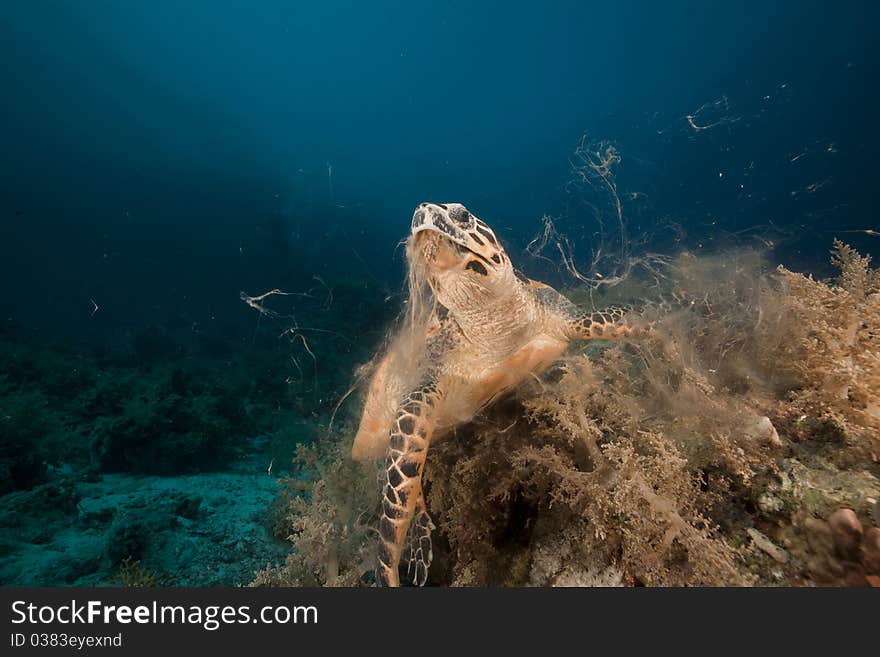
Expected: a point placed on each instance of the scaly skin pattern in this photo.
(491, 328)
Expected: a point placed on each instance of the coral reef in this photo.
(574, 459)
(735, 447)
(837, 359)
(133, 574)
(105, 457)
(738, 445)
(327, 511)
(163, 449)
(30, 431)
(71, 406)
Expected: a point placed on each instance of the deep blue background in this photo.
(161, 156)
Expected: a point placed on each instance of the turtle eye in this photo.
(478, 267)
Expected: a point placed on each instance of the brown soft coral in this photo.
(837, 358)
(329, 510)
(505, 495)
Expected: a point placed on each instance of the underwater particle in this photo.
(767, 546)
(846, 530)
(718, 115)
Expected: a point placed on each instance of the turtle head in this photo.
(462, 257)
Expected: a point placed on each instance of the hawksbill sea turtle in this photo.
(485, 328)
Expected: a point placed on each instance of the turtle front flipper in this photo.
(402, 494)
(371, 441)
(575, 324)
(420, 549)
(608, 324)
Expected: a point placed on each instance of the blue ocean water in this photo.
(164, 158)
